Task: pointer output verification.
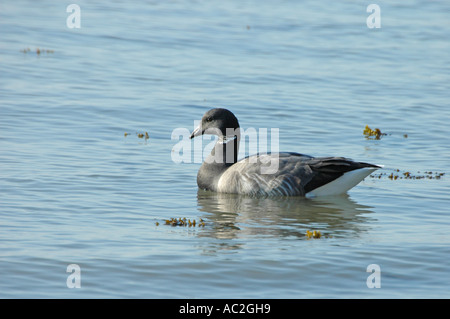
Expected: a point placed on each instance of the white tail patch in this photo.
(342, 184)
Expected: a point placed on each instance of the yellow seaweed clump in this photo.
(313, 234)
(375, 134)
(143, 135)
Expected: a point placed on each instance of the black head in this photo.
(217, 121)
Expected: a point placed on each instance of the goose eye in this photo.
(209, 119)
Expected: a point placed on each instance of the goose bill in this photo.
(198, 131)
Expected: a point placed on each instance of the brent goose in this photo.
(294, 174)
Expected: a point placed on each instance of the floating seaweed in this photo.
(143, 135)
(139, 135)
(184, 222)
(375, 134)
(313, 234)
(397, 174)
(38, 51)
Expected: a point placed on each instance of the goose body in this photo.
(270, 174)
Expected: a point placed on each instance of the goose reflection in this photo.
(237, 216)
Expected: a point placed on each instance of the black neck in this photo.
(223, 155)
(225, 151)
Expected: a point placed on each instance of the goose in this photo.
(294, 174)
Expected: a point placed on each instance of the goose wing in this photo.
(285, 174)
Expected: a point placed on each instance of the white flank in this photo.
(343, 183)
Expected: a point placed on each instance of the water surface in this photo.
(75, 190)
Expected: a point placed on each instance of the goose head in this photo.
(218, 121)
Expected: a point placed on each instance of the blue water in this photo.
(75, 190)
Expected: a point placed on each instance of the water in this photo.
(75, 190)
